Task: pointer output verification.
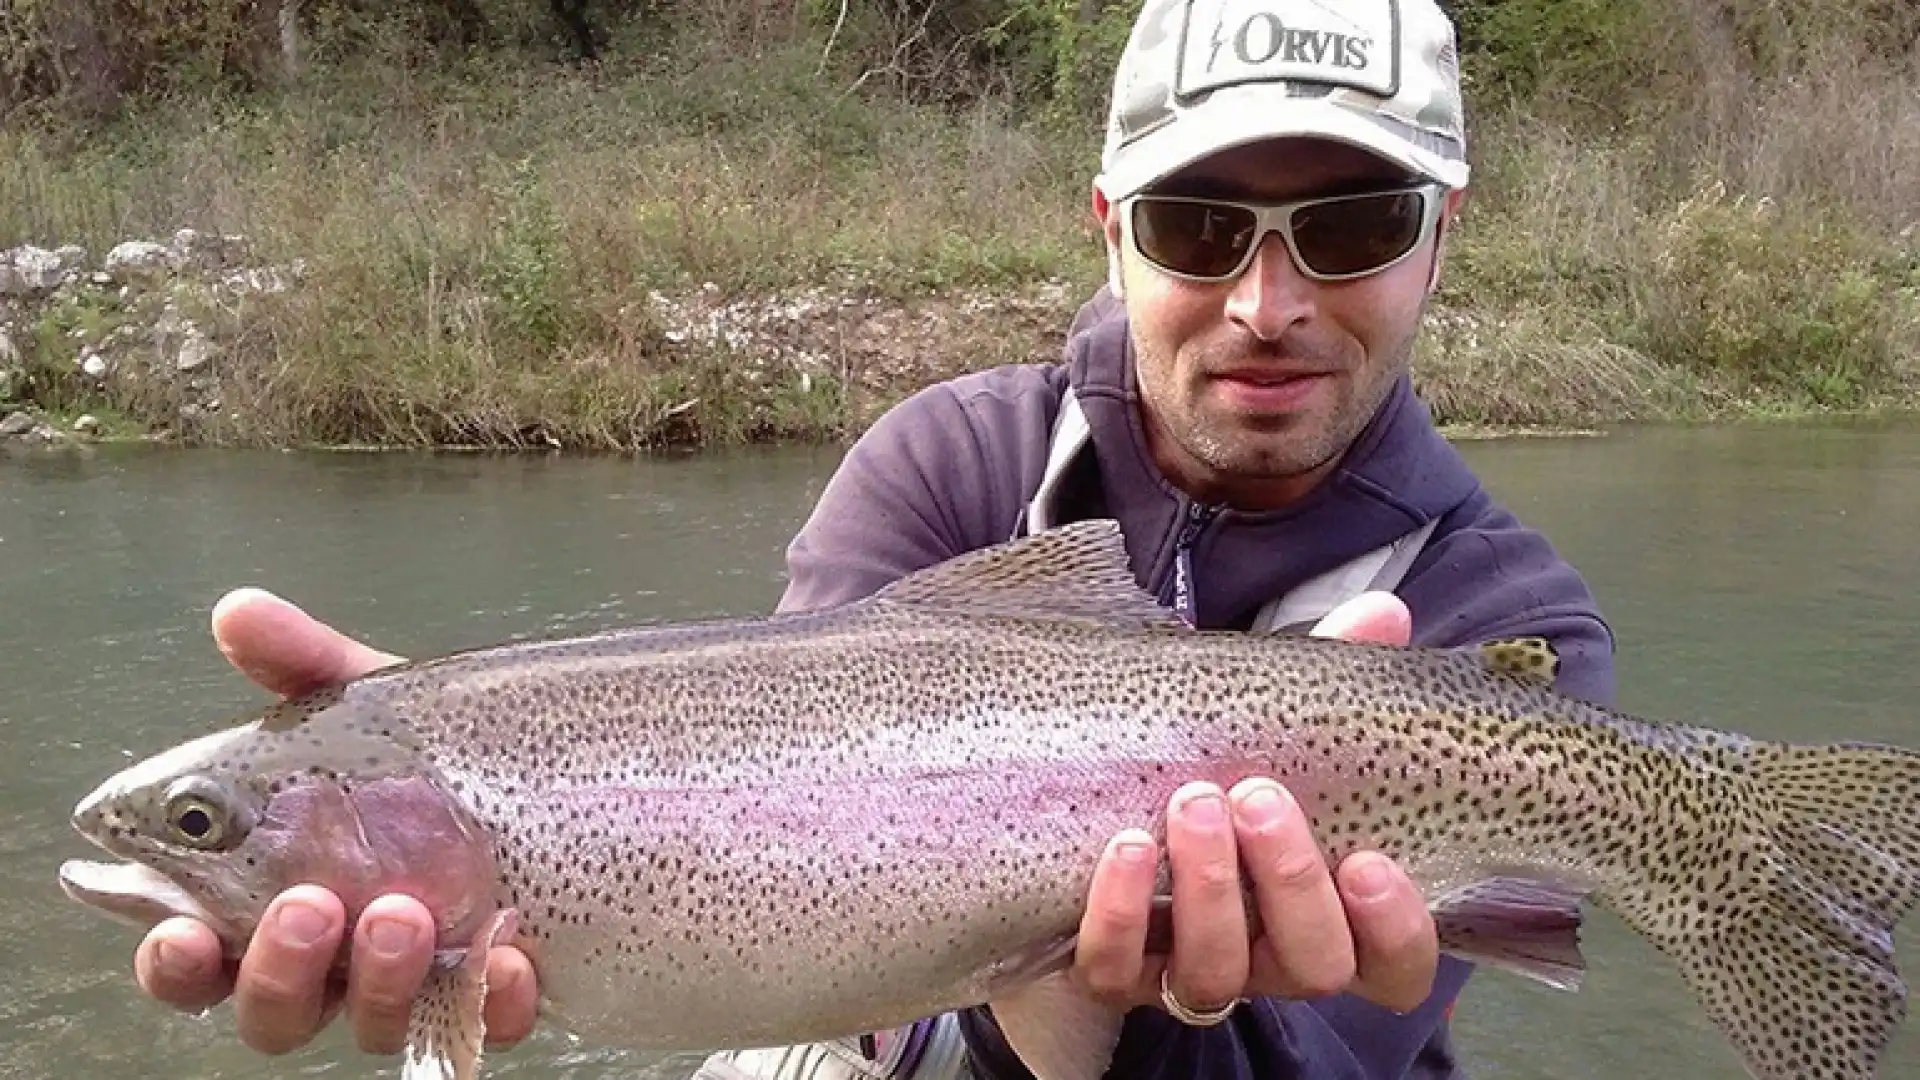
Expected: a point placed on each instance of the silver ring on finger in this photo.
(1189, 1016)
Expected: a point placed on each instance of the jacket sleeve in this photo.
(879, 518)
(1496, 578)
(1337, 1038)
(939, 474)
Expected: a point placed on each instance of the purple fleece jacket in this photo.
(951, 470)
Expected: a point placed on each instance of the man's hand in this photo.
(281, 993)
(1363, 930)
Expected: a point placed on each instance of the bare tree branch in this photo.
(838, 22)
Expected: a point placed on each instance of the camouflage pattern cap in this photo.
(1201, 76)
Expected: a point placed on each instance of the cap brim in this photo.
(1220, 126)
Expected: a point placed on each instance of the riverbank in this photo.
(616, 258)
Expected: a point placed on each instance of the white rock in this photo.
(257, 281)
(195, 352)
(93, 364)
(138, 259)
(210, 251)
(27, 270)
(87, 424)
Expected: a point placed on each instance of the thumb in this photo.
(283, 648)
(1372, 616)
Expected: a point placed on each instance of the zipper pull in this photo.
(1197, 518)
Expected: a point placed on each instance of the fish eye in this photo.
(196, 815)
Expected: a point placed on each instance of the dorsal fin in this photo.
(1078, 571)
(1527, 657)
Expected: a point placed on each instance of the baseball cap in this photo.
(1201, 76)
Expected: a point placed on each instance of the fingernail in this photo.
(169, 962)
(1369, 879)
(301, 924)
(1208, 811)
(1131, 846)
(391, 937)
(1263, 805)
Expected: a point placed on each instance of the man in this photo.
(1276, 190)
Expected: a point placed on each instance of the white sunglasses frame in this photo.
(1276, 218)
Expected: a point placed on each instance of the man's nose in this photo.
(1272, 294)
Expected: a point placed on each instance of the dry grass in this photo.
(1542, 369)
(482, 243)
(480, 256)
(1722, 253)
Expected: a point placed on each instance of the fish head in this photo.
(328, 790)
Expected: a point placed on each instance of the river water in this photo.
(1759, 577)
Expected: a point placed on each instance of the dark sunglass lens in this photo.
(1200, 239)
(1352, 236)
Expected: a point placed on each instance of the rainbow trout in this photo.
(807, 826)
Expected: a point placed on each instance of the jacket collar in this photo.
(1399, 474)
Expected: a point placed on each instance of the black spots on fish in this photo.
(1578, 756)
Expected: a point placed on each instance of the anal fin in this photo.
(448, 1028)
(1058, 1032)
(1525, 926)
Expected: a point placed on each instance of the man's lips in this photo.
(1263, 376)
(1268, 389)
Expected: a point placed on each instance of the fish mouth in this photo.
(129, 891)
(133, 892)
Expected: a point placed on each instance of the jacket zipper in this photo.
(1196, 522)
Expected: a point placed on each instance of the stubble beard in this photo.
(1268, 449)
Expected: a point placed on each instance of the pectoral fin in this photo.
(448, 1029)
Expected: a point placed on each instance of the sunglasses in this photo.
(1333, 238)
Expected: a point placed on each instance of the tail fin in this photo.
(1790, 947)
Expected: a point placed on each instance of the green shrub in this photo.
(1795, 303)
(1676, 208)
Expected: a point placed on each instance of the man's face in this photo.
(1254, 387)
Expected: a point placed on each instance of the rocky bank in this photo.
(149, 328)
(144, 319)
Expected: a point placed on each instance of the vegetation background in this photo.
(621, 223)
